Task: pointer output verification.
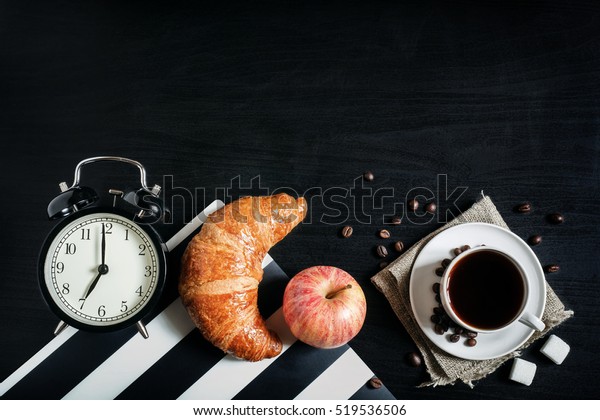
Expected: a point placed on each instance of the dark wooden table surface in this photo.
(502, 97)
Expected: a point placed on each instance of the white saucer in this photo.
(422, 297)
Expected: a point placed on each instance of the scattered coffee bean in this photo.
(383, 264)
(439, 329)
(457, 251)
(465, 248)
(438, 299)
(471, 342)
(535, 240)
(551, 268)
(396, 220)
(435, 288)
(523, 208)
(414, 359)
(347, 231)
(375, 383)
(399, 246)
(454, 338)
(431, 207)
(438, 310)
(382, 251)
(436, 319)
(413, 204)
(440, 271)
(446, 262)
(459, 330)
(384, 234)
(470, 334)
(368, 176)
(556, 218)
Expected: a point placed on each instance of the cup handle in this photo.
(532, 321)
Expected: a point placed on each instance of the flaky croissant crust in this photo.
(222, 267)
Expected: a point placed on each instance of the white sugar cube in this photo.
(522, 371)
(555, 349)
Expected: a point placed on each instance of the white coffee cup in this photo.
(486, 290)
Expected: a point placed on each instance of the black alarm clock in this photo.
(103, 268)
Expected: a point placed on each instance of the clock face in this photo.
(101, 270)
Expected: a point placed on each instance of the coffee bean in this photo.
(375, 383)
(431, 207)
(440, 271)
(399, 246)
(368, 176)
(465, 248)
(457, 251)
(438, 310)
(470, 334)
(454, 338)
(471, 342)
(523, 208)
(383, 264)
(446, 262)
(459, 330)
(396, 220)
(384, 234)
(439, 329)
(435, 288)
(438, 299)
(347, 231)
(382, 251)
(556, 218)
(413, 204)
(414, 359)
(551, 268)
(436, 319)
(535, 240)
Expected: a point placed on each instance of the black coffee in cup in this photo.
(486, 289)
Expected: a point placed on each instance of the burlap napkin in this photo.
(443, 368)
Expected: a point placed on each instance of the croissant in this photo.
(222, 267)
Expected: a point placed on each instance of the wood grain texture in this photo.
(502, 97)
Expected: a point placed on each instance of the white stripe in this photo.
(194, 224)
(58, 341)
(340, 380)
(267, 260)
(230, 375)
(133, 358)
(136, 356)
(36, 359)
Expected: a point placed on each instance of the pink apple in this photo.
(324, 306)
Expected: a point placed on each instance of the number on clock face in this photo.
(101, 269)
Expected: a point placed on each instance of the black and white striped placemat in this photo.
(175, 362)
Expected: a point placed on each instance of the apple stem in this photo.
(331, 295)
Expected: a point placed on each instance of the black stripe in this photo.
(271, 289)
(176, 371)
(293, 371)
(193, 356)
(60, 372)
(73, 361)
(366, 392)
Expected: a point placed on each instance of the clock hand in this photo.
(103, 244)
(102, 269)
(94, 283)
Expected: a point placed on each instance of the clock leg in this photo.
(60, 327)
(142, 329)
